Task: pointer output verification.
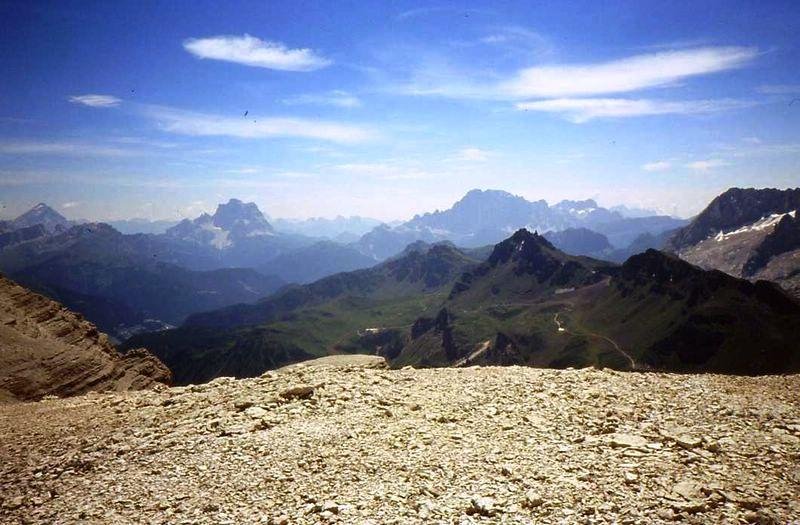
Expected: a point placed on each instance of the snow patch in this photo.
(762, 224)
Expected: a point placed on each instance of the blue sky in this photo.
(386, 109)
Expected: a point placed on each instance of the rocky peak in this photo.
(42, 214)
(522, 246)
(244, 219)
(732, 209)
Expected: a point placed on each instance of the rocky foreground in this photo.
(45, 349)
(355, 444)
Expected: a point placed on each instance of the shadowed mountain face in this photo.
(528, 303)
(676, 316)
(48, 350)
(733, 209)
(748, 233)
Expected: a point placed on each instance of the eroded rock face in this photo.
(46, 349)
(371, 446)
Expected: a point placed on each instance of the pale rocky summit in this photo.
(45, 349)
(367, 445)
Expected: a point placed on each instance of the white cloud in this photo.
(661, 165)
(625, 75)
(71, 204)
(779, 89)
(473, 155)
(705, 165)
(752, 140)
(338, 98)
(72, 149)
(581, 110)
(95, 101)
(204, 124)
(251, 51)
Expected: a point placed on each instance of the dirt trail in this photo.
(610, 341)
(482, 348)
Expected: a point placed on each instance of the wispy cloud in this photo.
(338, 98)
(203, 124)
(661, 165)
(251, 51)
(779, 89)
(62, 148)
(95, 101)
(426, 11)
(580, 110)
(625, 75)
(706, 165)
(70, 204)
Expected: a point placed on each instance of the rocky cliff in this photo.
(46, 349)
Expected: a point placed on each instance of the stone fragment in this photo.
(482, 506)
(255, 412)
(687, 489)
(627, 440)
(532, 500)
(688, 441)
(298, 392)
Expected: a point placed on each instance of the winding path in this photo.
(613, 343)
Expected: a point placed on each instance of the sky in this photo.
(161, 110)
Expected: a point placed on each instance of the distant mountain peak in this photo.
(242, 219)
(43, 214)
(577, 205)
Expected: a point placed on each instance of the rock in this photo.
(298, 392)
(126, 459)
(255, 412)
(627, 440)
(688, 441)
(482, 506)
(532, 500)
(330, 506)
(690, 507)
(630, 477)
(242, 404)
(14, 503)
(687, 489)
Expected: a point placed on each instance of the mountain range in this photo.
(222, 278)
(484, 217)
(527, 303)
